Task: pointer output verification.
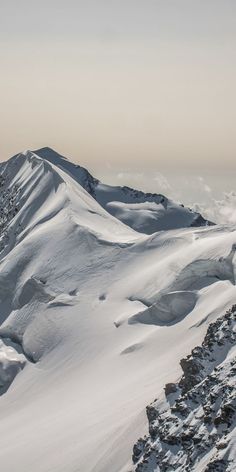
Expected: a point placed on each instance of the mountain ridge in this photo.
(127, 204)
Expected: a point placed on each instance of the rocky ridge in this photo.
(9, 207)
(194, 428)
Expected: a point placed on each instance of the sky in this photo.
(137, 86)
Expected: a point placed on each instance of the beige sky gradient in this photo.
(121, 83)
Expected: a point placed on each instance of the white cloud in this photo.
(207, 188)
(220, 211)
(162, 182)
(136, 176)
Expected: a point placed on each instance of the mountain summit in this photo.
(144, 212)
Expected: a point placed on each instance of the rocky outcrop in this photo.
(194, 428)
(9, 207)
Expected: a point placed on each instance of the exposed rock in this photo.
(170, 388)
(199, 425)
(9, 208)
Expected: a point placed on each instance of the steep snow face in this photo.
(194, 427)
(144, 212)
(44, 191)
(100, 315)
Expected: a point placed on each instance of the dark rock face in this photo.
(9, 207)
(196, 429)
(200, 221)
(170, 388)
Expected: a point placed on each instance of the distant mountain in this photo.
(144, 212)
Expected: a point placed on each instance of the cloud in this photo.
(227, 208)
(136, 176)
(203, 185)
(220, 211)
(207, 188)
(162, 182)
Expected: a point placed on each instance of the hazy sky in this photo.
(147, 84)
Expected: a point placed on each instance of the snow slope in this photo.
(144, 212)
(100, 316)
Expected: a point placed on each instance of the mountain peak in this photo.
(144, 212)
(49, 154)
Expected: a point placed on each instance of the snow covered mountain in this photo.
(95, 317)
(144, 212)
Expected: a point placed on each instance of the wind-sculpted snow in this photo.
(172, 304)
(100, 315)
(194, 428)
(170, 308)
